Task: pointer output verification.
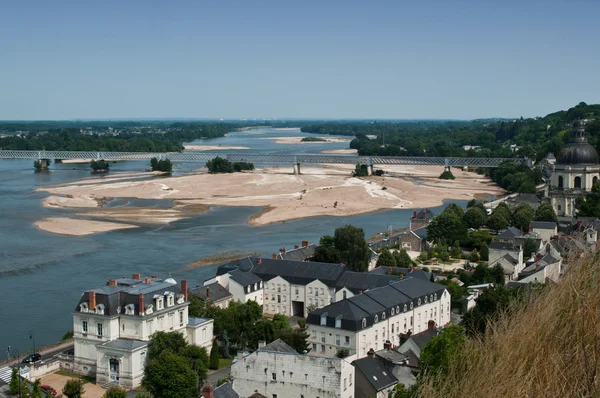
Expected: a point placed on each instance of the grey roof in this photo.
(375, 371)
(225, 390)
(527, 198)
(507, 262)
(495, 245)
(246, 279)
(361, 281)
(421, 233)
(299, 254)
(125, 344)
(297, 272)
(212, 292)
(416, 273)
(509, 232)
(126, 292)
(193, 321)
(423, 338)
(543, 224)
(393, 356)
(278, 346)
(376, 302)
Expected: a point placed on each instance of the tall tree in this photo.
(214, 355)
(402, 258)
(36, 390)
(456, 209)
(197, 359)
(442, 350)
(170, 376)
(348, 245)
(475, 217)
(545, 212)
(530, 246)
(165, 341)
(497, 221)
(521, 219)
(386, 259)
(446, 227)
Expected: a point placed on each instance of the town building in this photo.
(277, 370)
(576, 171)
(411, 242)
(546, 229)
(303, 252)
(292, 287)
(367, 320)
(421, 218)
(113, 324)
(213, 293)
(373, 378)
(509, 256)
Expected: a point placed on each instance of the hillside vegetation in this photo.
(548, 348)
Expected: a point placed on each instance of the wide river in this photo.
(43, 275)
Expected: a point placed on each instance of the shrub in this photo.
(447, 175)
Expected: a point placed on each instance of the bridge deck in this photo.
(265, 158)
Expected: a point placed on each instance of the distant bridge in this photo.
(295, 160)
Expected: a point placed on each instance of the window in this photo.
(180, 318)
(322, 303)
(345, 382)
(577, 182)
(123, 326)
(559, 207)
(324, 319)
(347, 340)
(100, 329)
(83, 307)
(309, 300)
(284, 288)
(314, 334)
(159, 303)
(279, 298)
(383, 333)
(323, 337)
(411, 321)
(248, 289)
(255, 286)
(338, 321)
(310, 290)
(279, 288)
(419, 302)
(411, 305)
(316, 292)
(84, 325)
(284, 299)
(274, 376)
(392, 312)
(322, 348)
(297, 291)
(344, 295)
(322, 292)
(273, 297)
(392, 328)
(314, 346)
(376, 335)
(274, 395)
(337, 339)
(435, 296)
(272, 286)
(364, 323)
(383, 315)
(260, 284)
(560, 181)
(425, 299)
(376, 319)
(100, 309)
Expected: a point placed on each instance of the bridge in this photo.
(289, 159)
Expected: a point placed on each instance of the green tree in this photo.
(280, 322)
(545, 212)
(443, 350)
(475, 217)
(521, 219)
(219, 165)
(454, 208)
(142, 394)
(214, 355)
(447, 175)
(342, 353)
(360, 170)
(14, 381)
(474, 256)
(497, 221)
(163, 165)
(99, 165)
(489, 306)
(446, 227)
(36, 390)
(170, 376)
(295, 338)
(73, 389)
(402, 258)
(386, 259)
(68, 335)
(197, 359)
(348, 245)
(497, 274)
(484, 252)
(165, 341)
(530, 246)
(503, 209)
(115, 392)
(399, 391)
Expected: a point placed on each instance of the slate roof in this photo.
(225, 391)
(509, 232)
(193, 321)
(127, 292)
(421, 233)
(246, 279)
(298, 272)
(423, 338)
(377, 302)
(543, 224)
(507, 262)
(526, 198)
(215, 292)
(361, 281)
(278, 346)
(392, 356)
(494, 245)
(416, 273)
(375, 371)
(125, 344)
(299, 254)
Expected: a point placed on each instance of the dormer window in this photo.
(149, 309)
(248, 289)
(100, 309)
(425, 299)
(397, 309)
(324, 319)
(419, 302)
(411, 305)
(431, 298)
(435, 296)
(83, 307)
(376, 319)
(256, 286)
(338, 321)
(404, 307)
(130, 309)
(180, 299)
(383, 316)
(364, 323)
(160, 304)
(260, 284)
(392, 311)
(170, 299)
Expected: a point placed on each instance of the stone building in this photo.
(113, 324)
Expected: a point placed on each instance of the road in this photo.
(47, 353)
(219, 374)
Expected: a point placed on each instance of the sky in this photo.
(375, 59)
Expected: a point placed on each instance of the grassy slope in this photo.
(551, 348)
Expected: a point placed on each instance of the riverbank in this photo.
(298, 140)
(319, 191)
(214, 147)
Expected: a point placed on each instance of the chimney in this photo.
(371, 353)
(409, 333)
(154, 277)
(92, 299)
(207, 391)
(431, 325)
(259, 260)
(147, 280)
(415, 214)
(538, 257)
(261, 344)
(112, 282)
(424, 214)
(387, 345)
(274, 256)
(137, 277)
(295, 247)
(184, 289)
(360, 292)
(141, 305)
(304, 243)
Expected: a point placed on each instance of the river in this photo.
(43, 275)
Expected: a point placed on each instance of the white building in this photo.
(113, 324)
(545, 229)
(509, 257)
(367, 320)
(278, 371)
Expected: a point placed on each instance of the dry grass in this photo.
(550, 348)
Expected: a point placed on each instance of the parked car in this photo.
(48, 390)
(32, 358)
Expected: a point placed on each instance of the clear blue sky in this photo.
(282, 58)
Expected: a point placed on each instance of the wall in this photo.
(546, 234)
(295, 376)
(237, 291)
(201, 335)
(277, 296)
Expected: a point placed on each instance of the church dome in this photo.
(578, 150)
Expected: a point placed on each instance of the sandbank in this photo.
(319, 191)
(213, 147)
(342, 151)
(298, 140)
(75, 161)
(78, 227)
(81, 201)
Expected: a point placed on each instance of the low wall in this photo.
(40, 369)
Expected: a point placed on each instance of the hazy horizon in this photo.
(267, 59)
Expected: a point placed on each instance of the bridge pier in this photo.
(297, 168)
(41, 164)
(371, 170)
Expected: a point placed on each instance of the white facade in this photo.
(283, 375)
(325, 340)
(246, 293)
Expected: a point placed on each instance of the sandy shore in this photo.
(81, 201)
(341, 151)
(298, 140)
(213, 147)
(328, 190)
(78, 227)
